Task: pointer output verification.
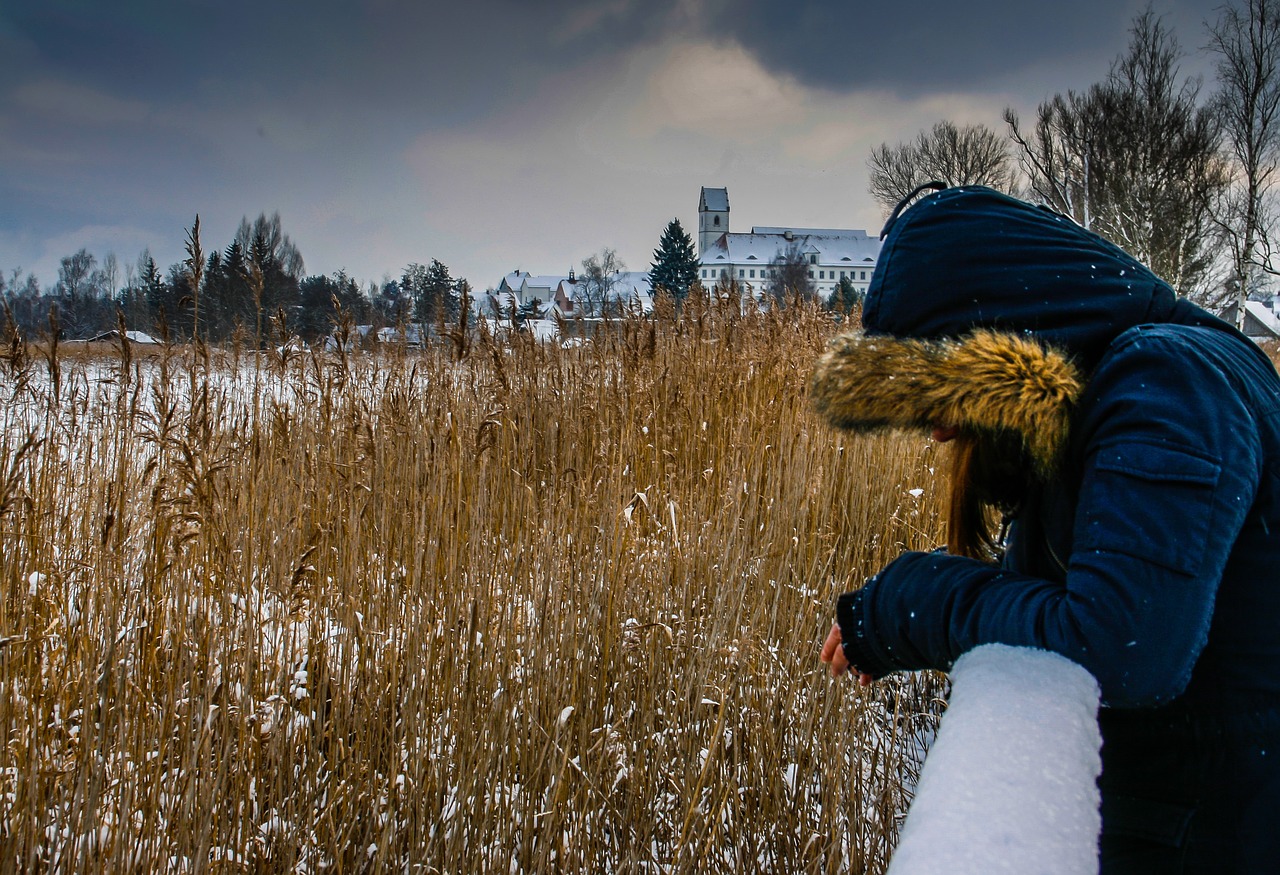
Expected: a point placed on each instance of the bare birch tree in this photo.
(597, 283)
(1135, 158)
(1247, 45)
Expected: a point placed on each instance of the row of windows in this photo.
(765, 273)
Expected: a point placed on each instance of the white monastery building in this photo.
(832, 254)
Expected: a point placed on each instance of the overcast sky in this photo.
(496, 134)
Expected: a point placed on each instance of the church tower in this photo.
(713, 217)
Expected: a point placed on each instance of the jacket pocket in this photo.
(1148, 820)
(1150, 501)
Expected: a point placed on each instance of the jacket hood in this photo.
(989, 381)
(970, 258)
(988, 313)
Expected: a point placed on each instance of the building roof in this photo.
(131, 336)
(763, 244)
(546, 281)
(1259, 320)
(714, 199)
(513, 280)
(629, 287)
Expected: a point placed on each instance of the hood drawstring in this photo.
(935, 185)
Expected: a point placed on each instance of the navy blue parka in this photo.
(1151, 557)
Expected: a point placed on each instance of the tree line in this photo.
(1182, 180)
(256, 286)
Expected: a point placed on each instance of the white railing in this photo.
(1010, 782)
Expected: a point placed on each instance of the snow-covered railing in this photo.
(1010, 782)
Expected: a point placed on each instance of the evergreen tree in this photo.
(844, 297)
(280, 291)
(155, 292)
(433, 292)
(675, 264)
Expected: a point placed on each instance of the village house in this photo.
(1260, 320)
(567, 296)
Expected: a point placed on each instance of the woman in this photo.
(1131, 443)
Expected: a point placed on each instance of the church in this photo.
(831, 254)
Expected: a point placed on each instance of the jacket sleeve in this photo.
(1170, 467)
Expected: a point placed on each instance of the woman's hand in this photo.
(833, 654)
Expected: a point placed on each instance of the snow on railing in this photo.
(1010, 782)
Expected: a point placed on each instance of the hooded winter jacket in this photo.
(1149, 550)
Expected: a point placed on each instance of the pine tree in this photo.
(844, 297)
(675, 264)
(433, 292)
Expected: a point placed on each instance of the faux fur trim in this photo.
(987, 381)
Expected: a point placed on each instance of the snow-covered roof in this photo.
(1260, 320)
(637, 280)
(629, 287)
(132, 336)
(546, 281)
(513, 280)
(763, 244)
(714, 199)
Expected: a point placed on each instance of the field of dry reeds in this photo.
(486, 607)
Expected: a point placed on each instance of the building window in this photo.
(813, 259)
(704, 274)
(864, 275)
(741, 273)
(717, 221)
(810, 274)
(841, 274)
(753, 274)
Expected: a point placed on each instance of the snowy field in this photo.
(530, 609)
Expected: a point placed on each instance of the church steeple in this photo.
(713, 216)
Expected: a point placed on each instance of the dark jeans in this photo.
(1190, 792)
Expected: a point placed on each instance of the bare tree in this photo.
(110, 275)
(970, 155)
(598, 281)
(1135, 158)
(1247, 44)
(790, 275)
(75, 275)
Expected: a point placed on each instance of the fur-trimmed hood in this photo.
(988, 381)
(969, 258)
(988, 313)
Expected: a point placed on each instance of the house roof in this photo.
(132, 336)
(512, 281)
(1259, 320)
(546, 281)
(763, 244)
(628, 287)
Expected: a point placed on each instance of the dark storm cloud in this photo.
(456, 59)
(916, 47)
